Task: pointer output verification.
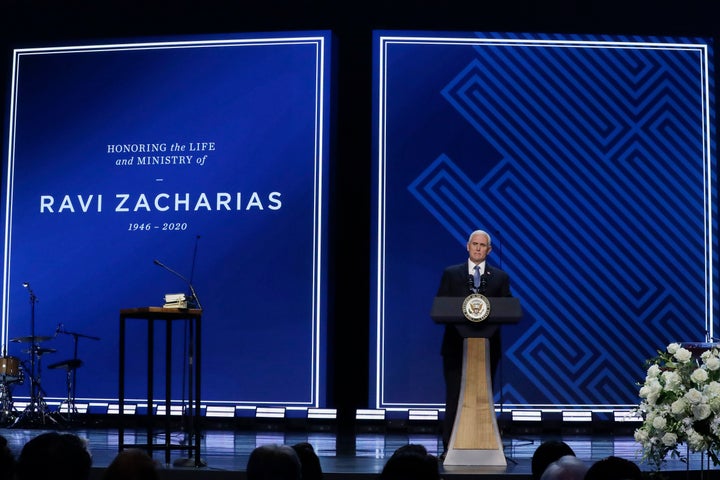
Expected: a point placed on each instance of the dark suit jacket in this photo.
(454, 283)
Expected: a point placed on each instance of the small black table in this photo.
(167, 316)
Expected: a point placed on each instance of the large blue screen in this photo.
(207, 154)
(591, 162)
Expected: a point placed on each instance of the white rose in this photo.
(699, 375)
(701, 411)
(696, 441)
(672, 348)
(651, 390)
(682, 355)
(673, 382)
(641, 436)
(653, 371)
(715, 426)
(693, 396)
(645, 390)
(659, 423)
(678, 406)
(669, 439)
(712, 363)
(712, 392)
(712, 389)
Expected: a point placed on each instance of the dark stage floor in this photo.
(357, 455)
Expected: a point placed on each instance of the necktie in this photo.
(476, 277)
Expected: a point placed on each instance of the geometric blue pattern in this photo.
(597, 184)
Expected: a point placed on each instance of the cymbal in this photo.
(30, 339)
(40, 351)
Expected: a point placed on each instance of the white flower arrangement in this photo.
(680, 405)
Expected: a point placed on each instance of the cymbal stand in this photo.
(36, 411)
(70, 400)
(72, 366)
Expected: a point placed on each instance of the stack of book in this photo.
(175, 300)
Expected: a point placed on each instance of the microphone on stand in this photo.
(192, 289)
(190, 355)
(471, 284)
(59, 329)
(483, 284)
(33, 298)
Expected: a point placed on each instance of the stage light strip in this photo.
(114, 409)
(219, 411)
(174, 410)
(322, 413)
(627, 416)
(425, 415)
(526, 415)
(270, 412)
(369, 414)
(577, 416)
(79, 408)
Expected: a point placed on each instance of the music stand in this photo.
(71, 367)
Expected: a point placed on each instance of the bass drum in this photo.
(10, 371)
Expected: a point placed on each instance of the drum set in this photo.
(14, 372)
(11, 374)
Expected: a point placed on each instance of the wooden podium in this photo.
(475, 438)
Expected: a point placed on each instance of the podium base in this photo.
(475, 439)
(495, 458)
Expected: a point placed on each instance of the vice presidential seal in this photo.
(476, 307)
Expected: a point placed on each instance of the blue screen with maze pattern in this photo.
(591, 161)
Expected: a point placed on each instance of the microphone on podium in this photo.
(195, 298)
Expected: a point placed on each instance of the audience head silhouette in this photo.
(132, 464)
(614, 468)
(273, 462)
(55, 456)
(309, 461)
(545, 454)
(411, 462)
(568, 467)
(7, 460)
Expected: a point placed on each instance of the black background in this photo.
(30, 23)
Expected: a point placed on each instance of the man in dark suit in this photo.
(471, 276)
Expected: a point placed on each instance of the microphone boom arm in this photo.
(192, 289)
